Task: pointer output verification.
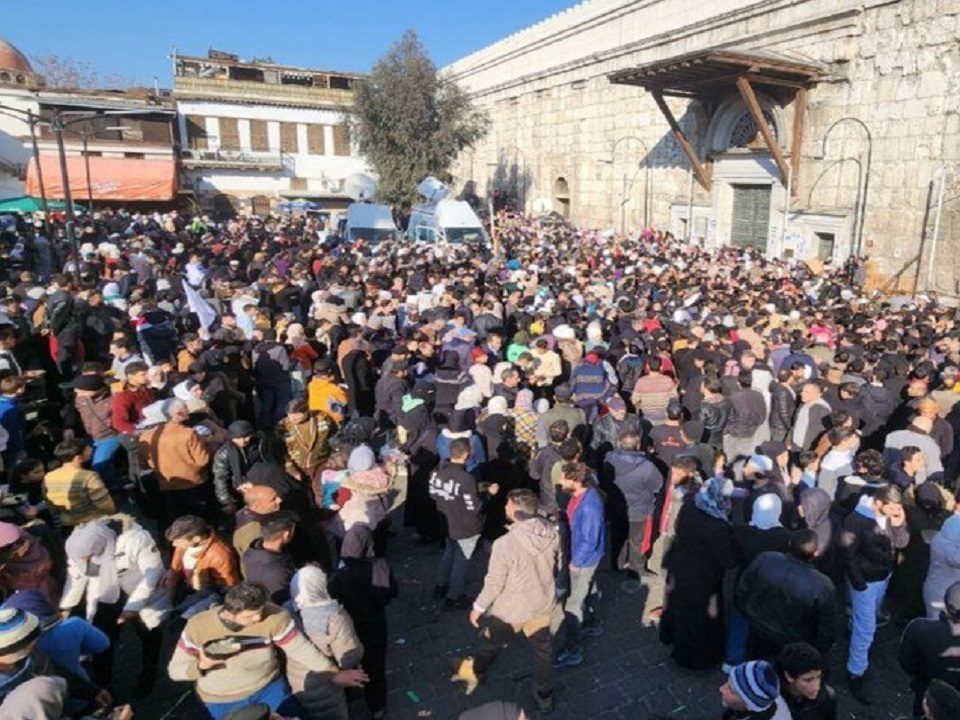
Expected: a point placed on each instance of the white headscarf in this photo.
(469, 398)
(766, 512)
(497, 405)
(308, 588)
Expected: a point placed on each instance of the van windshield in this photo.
(371, 235)
(468, 235)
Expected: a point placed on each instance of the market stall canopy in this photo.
(26, 204)
(110, 178)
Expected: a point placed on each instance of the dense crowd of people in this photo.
(214, 430)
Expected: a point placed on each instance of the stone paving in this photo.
(628, 674)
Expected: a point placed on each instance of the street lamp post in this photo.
(32, 121)
(625, 186)
(86, 163)
(866, 173)
(857, 200)
(57, 125)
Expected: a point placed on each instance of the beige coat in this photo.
(520, 584)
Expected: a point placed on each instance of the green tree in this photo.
(409, 122)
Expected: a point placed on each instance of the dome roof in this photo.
(13, 59)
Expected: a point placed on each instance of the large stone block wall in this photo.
(893, 64)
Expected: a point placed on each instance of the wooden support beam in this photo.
(796, 144)
(698, 169)
(762, 79)
(750, 98)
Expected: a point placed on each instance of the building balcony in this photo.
(236, 159)
(247, 91)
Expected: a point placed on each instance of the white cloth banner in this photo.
(201, 307)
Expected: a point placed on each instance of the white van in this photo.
(374, 223)
(448, 221)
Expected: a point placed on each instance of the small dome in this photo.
(13, 59)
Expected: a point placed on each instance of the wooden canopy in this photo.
(707, 72)
(712, 73)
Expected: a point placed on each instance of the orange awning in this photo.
(110, 178)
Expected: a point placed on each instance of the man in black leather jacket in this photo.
(233, 461)
(786, 599)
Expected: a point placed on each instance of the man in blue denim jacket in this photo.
(585, 516)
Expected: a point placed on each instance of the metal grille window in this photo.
(229, 134)
(745, 129)
(288, 138)
(751, 216)
(259, 139)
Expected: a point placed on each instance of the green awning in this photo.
(27, 204)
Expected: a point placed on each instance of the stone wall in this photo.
(895, 65)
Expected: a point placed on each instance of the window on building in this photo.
(196, 132)
(259, 137)
(825, 244)
(315, 139)
(341, 140)
(260, 204)
(338, 82)
(249, 74)
(134, 156)
(152, 131)
(288, 138)
(745, 131)
(305, 80)
(229, 134)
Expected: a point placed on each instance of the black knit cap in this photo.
(89, 383)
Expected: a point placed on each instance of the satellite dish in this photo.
(359, 186)
(433, 190)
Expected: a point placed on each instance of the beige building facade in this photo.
(255, 133)
(849, 108)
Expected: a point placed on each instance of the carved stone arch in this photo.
(732, 121)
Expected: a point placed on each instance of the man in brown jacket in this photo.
(179, 457)
(519, 595)
(212, 566)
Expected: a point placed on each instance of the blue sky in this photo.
(134, 38)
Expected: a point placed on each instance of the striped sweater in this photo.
(247, 673)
